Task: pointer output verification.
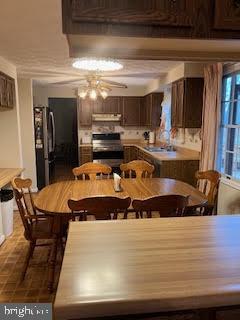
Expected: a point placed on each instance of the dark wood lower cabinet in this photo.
(183, 170)
(85, 154)
(130, 153)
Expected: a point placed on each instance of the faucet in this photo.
(169, 134)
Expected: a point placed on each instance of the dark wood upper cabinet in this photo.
(7, 92)
(154, 12)
(187, 103)
(109, 105)
(131, 111)
(135, 111)
(153, 18)
(150, 115)
(227, 15)
(85, 110)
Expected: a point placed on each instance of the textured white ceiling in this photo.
(31, 38)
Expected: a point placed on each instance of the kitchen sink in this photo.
(160, 149)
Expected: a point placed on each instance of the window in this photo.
(229, 142)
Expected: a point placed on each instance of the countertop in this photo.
(7, 174)
(137, 266)
(179, 154)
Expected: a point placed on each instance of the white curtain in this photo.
(211, 115)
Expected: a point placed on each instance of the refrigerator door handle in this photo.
(53, 131)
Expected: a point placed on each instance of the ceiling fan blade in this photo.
(114, 84)
(69, 81)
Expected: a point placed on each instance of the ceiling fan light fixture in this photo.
(83, 94)
(93, 94)
(104, 94)
(94, 64)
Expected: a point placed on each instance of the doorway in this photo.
(66, 140)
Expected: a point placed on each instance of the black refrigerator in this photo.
(44, 128)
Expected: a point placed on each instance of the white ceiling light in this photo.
(92, 64)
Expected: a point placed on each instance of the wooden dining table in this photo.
(53, 199)
(141, 269)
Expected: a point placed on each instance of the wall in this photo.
(42, 93)
(182, 70)
(10, 141)
(228, 198)
(27, 129)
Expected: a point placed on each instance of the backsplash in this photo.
(126, 134)
(188, 138)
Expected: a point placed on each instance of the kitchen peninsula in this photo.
(180, 164)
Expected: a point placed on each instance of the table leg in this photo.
(52, 263)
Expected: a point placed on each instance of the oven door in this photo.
(111, 158)
(108, 154)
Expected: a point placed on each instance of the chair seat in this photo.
(42, 229)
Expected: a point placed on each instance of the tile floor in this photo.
(12, 255)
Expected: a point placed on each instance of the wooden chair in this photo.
(91, 170)
(101, 207)
(22, 185)
(141, 168)
(36, 228)
(167, 205)
(208, 182)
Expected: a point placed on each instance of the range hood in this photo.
(103, 117)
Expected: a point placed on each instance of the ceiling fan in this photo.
(94, 85)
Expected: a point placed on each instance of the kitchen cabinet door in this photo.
(193, 102)
(97, 106)
(182, 170)
(174, 106)
(86, 154)
(145, 112)
(144, 12)
(150, 113)
(227, 15)
(7, 91)
(3, 100)
(112, 105)
(10, 92)
(131, 111)
(85, 112)
(187, 103)
(127, 154)
(180, 104)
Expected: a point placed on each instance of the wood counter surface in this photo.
(125, 267)
(7, 174)
(179, 154)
